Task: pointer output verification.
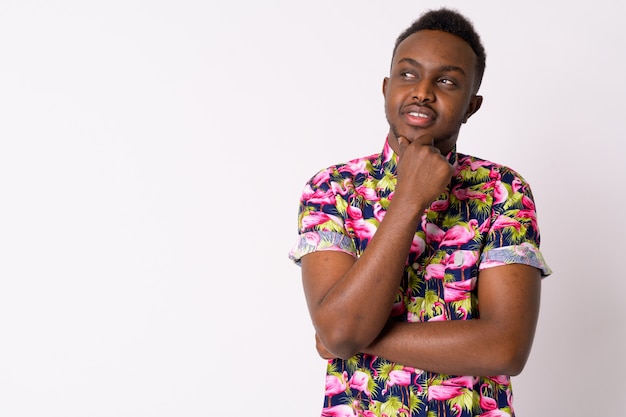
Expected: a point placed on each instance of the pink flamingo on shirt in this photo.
(530, 215)
(443, 392)
(450, 388)
(398, 377)
(474, 165)
(461, 381)
(312, 239)
(500, 379)
(335, 384)
(343, 188)
(486, 403)
(466, 194)
(318, 196)
(372, 358)
(342, 410)
(360, 381)
(418, 245)
(516, 185)
(355, 167)
(435, 271)
(459, 235)
(433, 232)
(321, 177)
(368, 193)
(504, 221)
(440, 205)
(316, 218)
(528, 203)
(379, 212)
(457, 291)
(355, 221)
(440, 311)
(500, 193)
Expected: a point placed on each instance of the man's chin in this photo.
(409, 134)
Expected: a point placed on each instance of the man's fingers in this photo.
(402, 141)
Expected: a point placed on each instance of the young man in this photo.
(421, 266)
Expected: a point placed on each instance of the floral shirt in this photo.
(485, 218)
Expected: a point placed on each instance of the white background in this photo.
(152, 154)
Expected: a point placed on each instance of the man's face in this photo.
(430, 89)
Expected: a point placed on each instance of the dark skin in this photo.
(430, 93)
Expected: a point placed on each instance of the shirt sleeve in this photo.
(321, 217)
(513, 235)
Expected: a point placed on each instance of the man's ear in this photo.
(385, 81)
(473, 107)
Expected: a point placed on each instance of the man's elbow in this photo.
(511, 361)
(340, 343)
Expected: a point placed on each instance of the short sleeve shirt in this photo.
(485, 218)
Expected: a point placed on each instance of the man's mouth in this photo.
(419, 117)
(417, 114)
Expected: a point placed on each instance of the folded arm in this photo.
(497, 343)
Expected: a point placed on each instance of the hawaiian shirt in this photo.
(486, 217)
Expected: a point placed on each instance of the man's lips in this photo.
(418, 115)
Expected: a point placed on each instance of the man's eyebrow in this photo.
(443, 68)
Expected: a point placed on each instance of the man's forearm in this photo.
(457, 347)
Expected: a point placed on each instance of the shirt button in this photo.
(458, 258)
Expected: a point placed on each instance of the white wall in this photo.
(151, 159)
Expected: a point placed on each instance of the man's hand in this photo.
(422, 170)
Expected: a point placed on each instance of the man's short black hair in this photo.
(449, 21)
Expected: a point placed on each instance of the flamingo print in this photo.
(459, 234)
(450, 388)
(504, 222)
(399, 377)
(355, 167)
(486, 206)
(435, 271)
(474, 164)
(318, 196)
(466, 194)
(362, 228)
(440, 205)
(336, 384)
(339, 411)
(457, 291)
(500, 193)
(418, 246)
(360, 382)
(341, 188)
(486, 403)
(319, 218)
(433, 232)
(443, 392)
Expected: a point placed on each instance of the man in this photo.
(420, 265)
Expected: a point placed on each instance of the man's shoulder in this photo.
(471, 163)
(348, 169)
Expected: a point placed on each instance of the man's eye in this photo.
(447, 81)
(407, 75)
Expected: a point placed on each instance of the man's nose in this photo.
(423, 92)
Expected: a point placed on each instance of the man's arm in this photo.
(350, 299)
(497, 343)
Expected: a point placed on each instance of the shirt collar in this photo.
(389, 159)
